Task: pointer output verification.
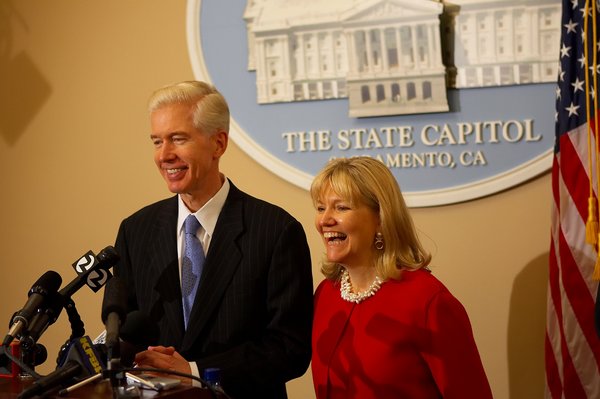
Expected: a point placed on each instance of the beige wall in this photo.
(75, 159)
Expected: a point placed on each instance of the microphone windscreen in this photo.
(139, 329)
(137, 334)
(47, 283)
(37, 355)
(115, 299)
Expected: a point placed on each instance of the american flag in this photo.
(572, 345)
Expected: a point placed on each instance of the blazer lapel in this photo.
(221, 262)
(165, 265)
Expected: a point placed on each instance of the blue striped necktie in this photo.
(192, 264)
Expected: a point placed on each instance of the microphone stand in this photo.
(123, 391)
(29, 358)
(116, 374)
(4, 350)
(77, 327)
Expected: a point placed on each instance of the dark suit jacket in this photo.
(252, 315)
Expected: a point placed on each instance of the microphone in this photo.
(92, 270)
(42, 320)
(82, 361)
(137, 334)
(43, 287)
(114, 313)
(34, 355)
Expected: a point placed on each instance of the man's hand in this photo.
(161, 357)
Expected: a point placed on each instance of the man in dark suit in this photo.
(252, 312)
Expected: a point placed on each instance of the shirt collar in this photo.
(209, 213)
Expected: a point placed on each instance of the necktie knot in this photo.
(191, 224)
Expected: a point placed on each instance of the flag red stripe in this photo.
(571, 278)
(574, 175)
(552, 377)
(553, 380)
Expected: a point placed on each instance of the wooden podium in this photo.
(10, 388)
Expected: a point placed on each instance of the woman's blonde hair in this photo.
(212, 112)
(364, 180)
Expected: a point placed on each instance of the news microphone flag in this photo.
(92, 270)
(572, 347)
(81, 361)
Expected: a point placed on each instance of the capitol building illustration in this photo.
(394, 57)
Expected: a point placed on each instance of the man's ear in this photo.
(221, 139)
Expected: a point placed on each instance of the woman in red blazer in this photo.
(384, 326)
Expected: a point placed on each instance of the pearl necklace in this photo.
(357, 297)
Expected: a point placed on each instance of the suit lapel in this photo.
(222, 260)
(165, 265)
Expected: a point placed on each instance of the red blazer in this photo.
(412, 339)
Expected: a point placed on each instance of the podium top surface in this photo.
(10, 388)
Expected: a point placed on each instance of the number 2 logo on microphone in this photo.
(85, 263)
(97, 278)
